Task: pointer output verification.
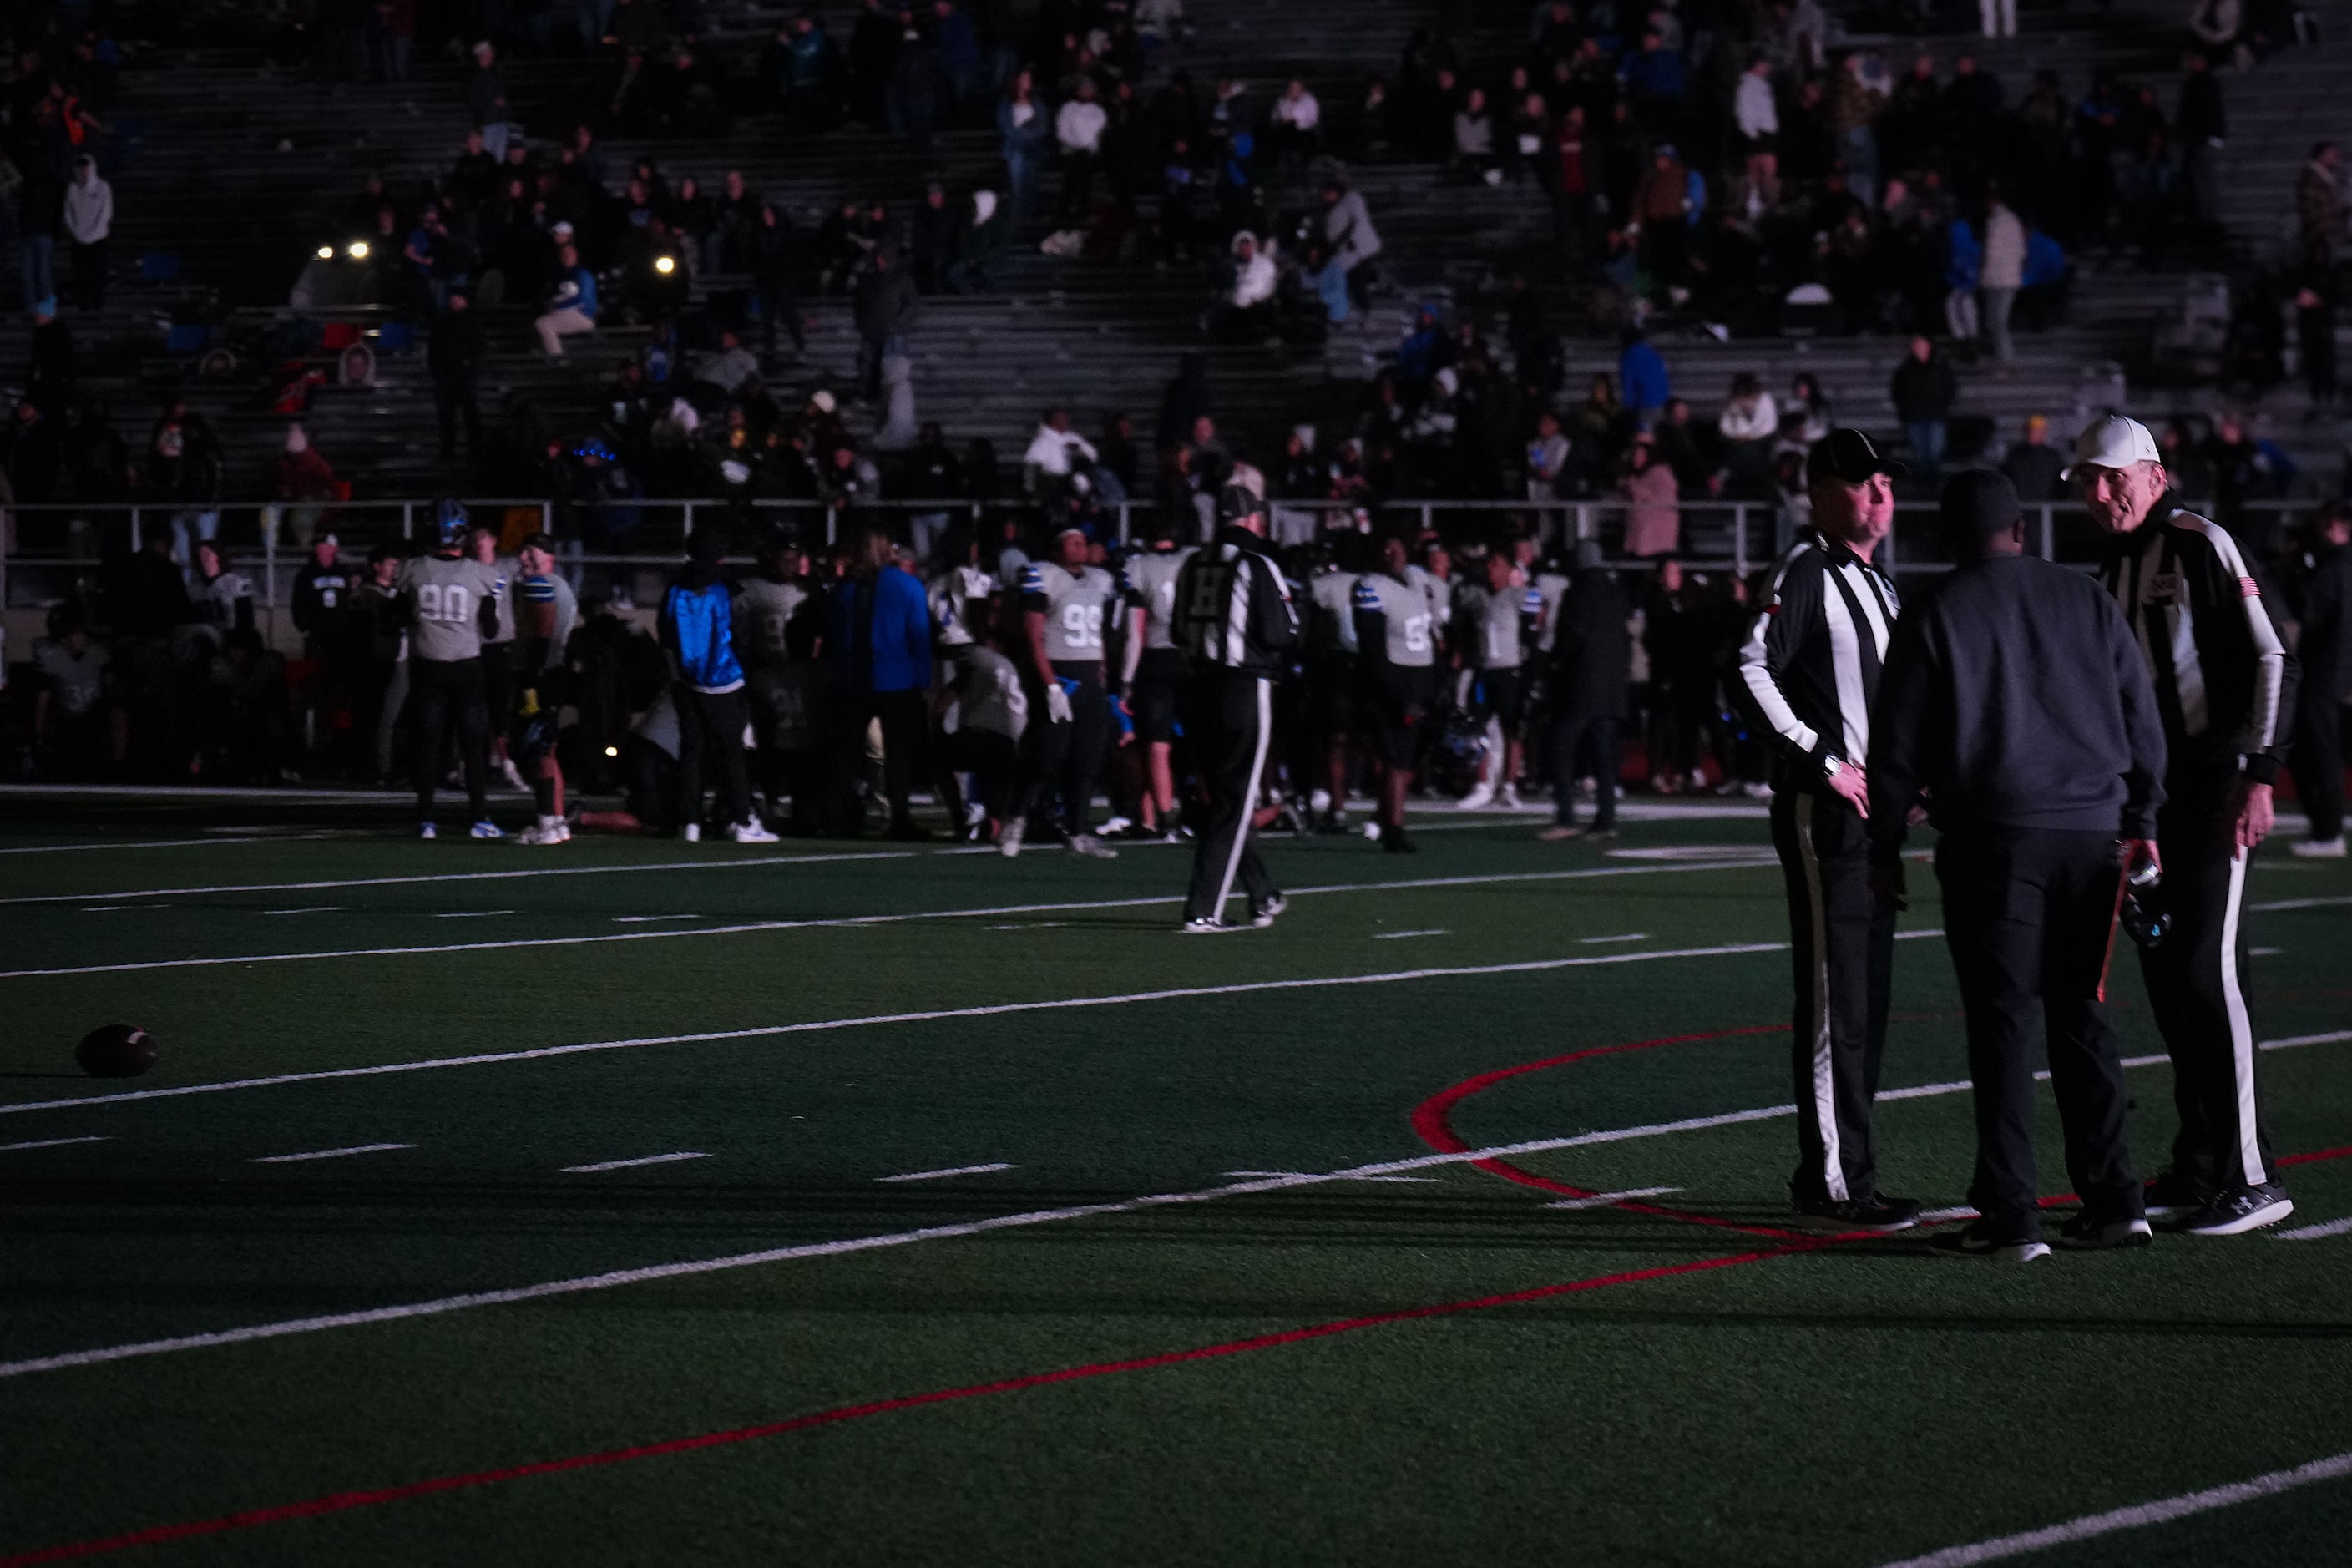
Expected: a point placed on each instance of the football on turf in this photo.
(116, 1051)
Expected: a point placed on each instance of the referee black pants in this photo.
(2197, 987)
(2027, 913)
(449, 696)
(1229, 717)
(1843, 941)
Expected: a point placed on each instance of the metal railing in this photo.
(44, 546)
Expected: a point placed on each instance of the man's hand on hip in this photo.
(1852, 784)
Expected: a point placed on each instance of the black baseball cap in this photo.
(1848, 457)
(1977, 504)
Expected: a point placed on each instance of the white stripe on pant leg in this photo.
(1249, 799)
(1824, 1075)
(2242, 1029)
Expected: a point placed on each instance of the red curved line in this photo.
(1432, 1123)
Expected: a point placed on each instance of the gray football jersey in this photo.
(1438, 591)
(1333, 628)
(445, 606)
(1411, 625)
(1491, 624)
(1074, 605)
(1151, 588)
(762, 611)
(1550, 588)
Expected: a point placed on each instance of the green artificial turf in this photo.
(1850, 1404)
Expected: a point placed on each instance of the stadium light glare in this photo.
(326, 253)
(665, 264)
(612, 750)
(359, 250)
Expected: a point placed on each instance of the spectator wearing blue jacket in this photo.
(573, 307)
(698, 628)
(1642, 378)
(879, 642)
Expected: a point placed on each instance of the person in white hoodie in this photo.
(89, 219)
(2002, 275)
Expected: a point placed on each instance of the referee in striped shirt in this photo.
(1233, 614)
(1807, 672)
(2225, 687)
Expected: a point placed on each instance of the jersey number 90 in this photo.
(447, 603)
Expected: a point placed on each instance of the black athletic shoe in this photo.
(1882, 1215)
(1334, 822)
(2172, 1194)
(2239, 1210)
(1205, 925)
(1393, 840)
(2090, 1232)
(1978, 1239)
(1263, 915)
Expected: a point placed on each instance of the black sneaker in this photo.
(1263, 915)
(1334, 822)
(1881, 1215)
(1393, 840)
(1205, 925)
(1978, 1239)
(2090, 1232)
(2239, 1210)
(2173, 1193)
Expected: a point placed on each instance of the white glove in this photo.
(1057, 703)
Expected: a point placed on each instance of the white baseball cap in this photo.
(2113, 442)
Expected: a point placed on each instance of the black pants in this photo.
(2197, 988)
(710, 723)
(1568, 732)
(1067, 758)
(453, 401)
(450, 697)
(1842, 943)
(90, 275)
(2319, 762)
(2027, 913)
(1228, 719)
(993, 761)
(903, 723)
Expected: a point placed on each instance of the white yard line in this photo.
(822, 1025)
(52, 1142)
(648, 920)
(1400, 935)
(631, 1164)
(1409, 1180)
(307, 909)
(471, 914)
(2135, 1517)
(137, 843)
(1627, 936)
(1610, 1200)
(715, 863)
(836, 922)
(950, 1170)
(328, 1153)
(2316, 1232)
(2301, 903)
(692, 1266)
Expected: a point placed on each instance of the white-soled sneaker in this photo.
(2240, 1210)
(425, 830)
(545, 833)
(1478, 799)
(1009, 838)
(1978, 1239)
(1093, 849)
(751, 830)
(485, 829)
(691, 833)
(2319, 849)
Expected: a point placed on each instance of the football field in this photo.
(638, 1202)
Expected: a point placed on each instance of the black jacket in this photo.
(1924, 390)
(1592, 650)
(454, 354)
(2323, 650)
(2014, 697)
(1233, 611)
(2224, 681)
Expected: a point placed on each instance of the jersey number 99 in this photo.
(1082, 625)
